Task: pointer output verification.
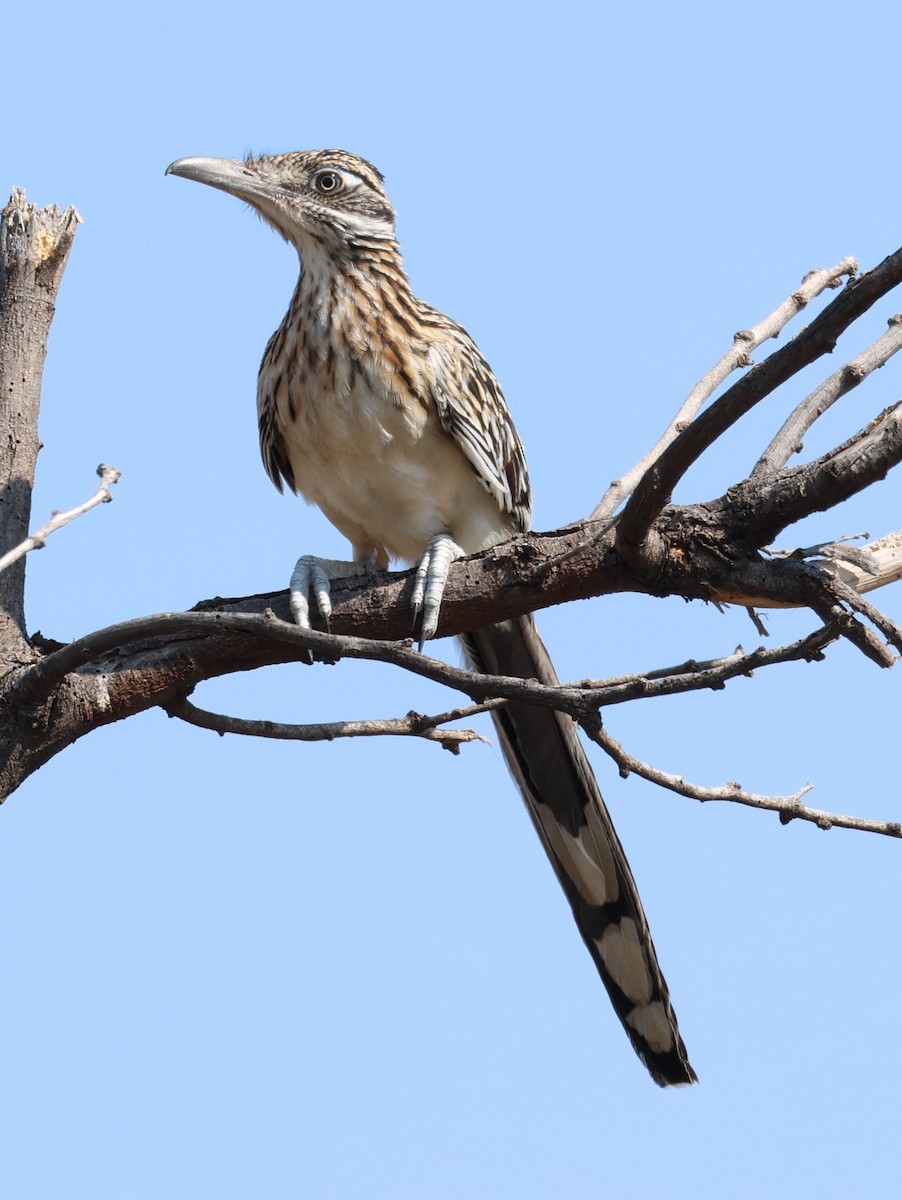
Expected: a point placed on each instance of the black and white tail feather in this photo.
(546, 758)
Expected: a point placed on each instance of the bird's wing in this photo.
(473, 410)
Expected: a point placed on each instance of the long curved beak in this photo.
(227, 174)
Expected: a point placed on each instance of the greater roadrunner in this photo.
(384, 413)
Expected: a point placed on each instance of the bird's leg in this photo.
(429, 582)
(311, 576)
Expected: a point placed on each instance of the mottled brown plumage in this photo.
(384, 413)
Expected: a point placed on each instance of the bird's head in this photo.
(309, 196)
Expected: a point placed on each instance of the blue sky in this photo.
(240, 969)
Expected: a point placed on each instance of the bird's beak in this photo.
(228, 174)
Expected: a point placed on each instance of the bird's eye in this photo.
(328, 182)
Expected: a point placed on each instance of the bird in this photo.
(384, 413)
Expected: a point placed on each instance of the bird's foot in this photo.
(429, 582)
(311, 576)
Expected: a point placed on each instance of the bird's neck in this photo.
(338, 289)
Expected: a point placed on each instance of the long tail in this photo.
(545, 757)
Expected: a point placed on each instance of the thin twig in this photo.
(760, 628)
(788, 440)
(711, 675)
(37, 540)
(790, 808)
(737, 356)
(836, 550)
(412, 725)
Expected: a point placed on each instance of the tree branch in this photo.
(737, 356)
(414, 724)
(818, 338)
(788, 440)
(790, 808)
(765, 507)
(37, 540)
(245, 640)
(136, 665)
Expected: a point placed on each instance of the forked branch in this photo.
(788, 440)
(744, 342)
(656, 486)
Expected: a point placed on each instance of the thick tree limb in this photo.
(376, 610)
(34, 247)
(136, 665)
(767, 506)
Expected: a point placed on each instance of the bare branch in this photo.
(135, 665)
(110, 651)
(37, 540)
(782, 499)
(760, 628)
(654, 489)
(737, 356)
(712, 674)
(788, 440)
(790, 808)
(827, 603)
(888, 628)
(412, 725)
(628, 765)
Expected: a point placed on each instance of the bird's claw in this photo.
(429, 582)
(311, 576)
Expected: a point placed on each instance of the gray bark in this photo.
(34, 247)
